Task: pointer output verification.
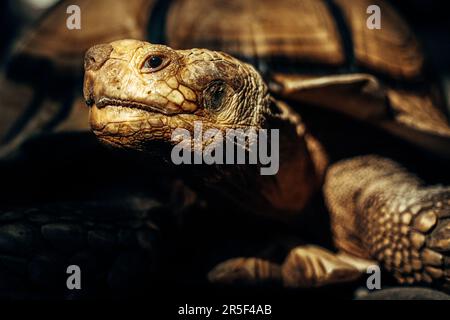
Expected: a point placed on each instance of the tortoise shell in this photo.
(311, 51)
(307, 32)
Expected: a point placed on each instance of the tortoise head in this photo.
(140, 92)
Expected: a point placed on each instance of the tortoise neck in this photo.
(300, 168)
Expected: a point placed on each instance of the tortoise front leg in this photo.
(381, 211)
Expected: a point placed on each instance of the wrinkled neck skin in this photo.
(282, 196)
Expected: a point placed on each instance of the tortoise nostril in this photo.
(96, 56)
(90, 102)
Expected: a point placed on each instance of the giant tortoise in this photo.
(349, 103)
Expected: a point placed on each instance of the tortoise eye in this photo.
(154, 63)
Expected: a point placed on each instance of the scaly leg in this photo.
(313, 266)
(251, 270)
(379, 210)
(305, 267)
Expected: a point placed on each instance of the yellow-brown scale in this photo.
(399, 222)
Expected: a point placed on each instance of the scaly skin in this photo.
(378, 210)
(382, 211)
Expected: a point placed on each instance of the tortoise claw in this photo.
(250, 271)
(312, 266)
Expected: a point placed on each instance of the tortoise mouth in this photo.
(107, 118)
(150, 108)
